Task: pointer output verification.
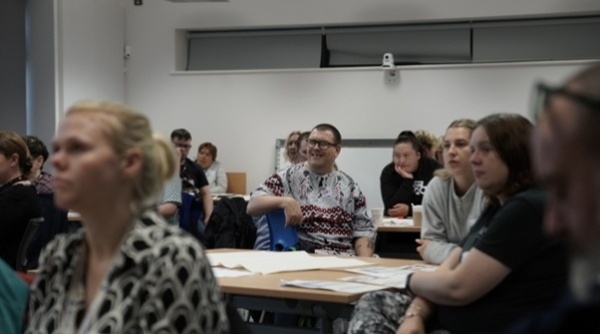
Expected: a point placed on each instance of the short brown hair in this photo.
(36, 147)
(11, 143)
(337, 136)
(212, 149)
(510, 135)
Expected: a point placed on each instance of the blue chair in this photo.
(191, 215)
(282, 238)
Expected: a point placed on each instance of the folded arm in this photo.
(471, 279)
(260, 205)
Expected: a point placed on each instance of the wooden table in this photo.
(398, 229)
(263, 292)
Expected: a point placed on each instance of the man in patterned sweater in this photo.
(326, 204)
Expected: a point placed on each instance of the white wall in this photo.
(265, 13)
(243, 113)
(90, 38)
(75, 52)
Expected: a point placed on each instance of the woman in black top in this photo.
(18, 198)
(403, 180)
(504, 268)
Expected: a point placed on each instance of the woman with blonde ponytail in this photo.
(126, 271)
(453, 202)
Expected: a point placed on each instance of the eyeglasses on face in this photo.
(182, 145)
(322, 144)
(543, 93)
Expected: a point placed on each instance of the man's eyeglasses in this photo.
(184, 146)
(322, 144)
(543, 93)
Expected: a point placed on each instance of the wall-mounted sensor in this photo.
(127, 51)
(391, 73)
(388, 60)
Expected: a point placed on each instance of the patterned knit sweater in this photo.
(334, 208)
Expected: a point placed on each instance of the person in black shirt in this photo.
(192, 177)
(403, 181)
(503, 269)
(18, 198)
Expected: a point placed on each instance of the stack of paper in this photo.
(397, 222)
(349, 287)
(274, 262)
(391, 277)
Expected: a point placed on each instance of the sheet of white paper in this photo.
(338, 286)
(225, 272)
(397, 222)
(398, 281)
(393, 277)
(273, 262)
(392, 271)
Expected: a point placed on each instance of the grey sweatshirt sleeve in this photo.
(436, 221)
(221, 179)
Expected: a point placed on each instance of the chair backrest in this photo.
(55, 222)
(230, 226)
(236, 183)
(30, 230)
(282, 238)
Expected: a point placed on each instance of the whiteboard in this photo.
(362, 159)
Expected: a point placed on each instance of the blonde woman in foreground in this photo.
(126, 271)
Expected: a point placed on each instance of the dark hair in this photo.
(212, 149)
(409, 137)
(510, 136)
(181, 134)
(303, 137)
(11, 143)
(337, 137)
(36, 147)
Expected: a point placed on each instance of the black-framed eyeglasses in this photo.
(543, 93)
(184, 146)
(324, 144)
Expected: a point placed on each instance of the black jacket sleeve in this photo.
(394, 188)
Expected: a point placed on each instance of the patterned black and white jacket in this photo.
(160, 281)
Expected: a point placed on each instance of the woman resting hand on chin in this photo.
(403, 181)
(126, 270)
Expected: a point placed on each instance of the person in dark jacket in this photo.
(18, 198)
(403, 181)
